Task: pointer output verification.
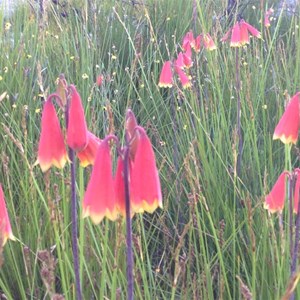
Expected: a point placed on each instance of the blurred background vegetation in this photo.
(213, 239)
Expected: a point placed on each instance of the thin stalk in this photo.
(238, 119)
(74, 215)
(296, 246)
(129, 271)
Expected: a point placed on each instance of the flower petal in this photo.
(5, 228)
(165, 79)
(275, 199)
(87, 156)
(288, 126)
(51, 149)
(145, 190)
(77, 133)
(99, 199)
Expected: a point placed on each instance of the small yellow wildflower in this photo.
(85, 76)
(7, 26)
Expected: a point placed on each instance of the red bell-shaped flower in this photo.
(275, 199)
(51, 149)
(145, 190)
(165, 79)
(99, 199)
(87, 156)
(5, 228)
(288, 126)
(77, 133)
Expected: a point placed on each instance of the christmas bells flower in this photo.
(51, 149)
(288, 126)
(77, 133)
(5, 228)
(145, 190)
(165, 79)
(240, 34)
(100, 197)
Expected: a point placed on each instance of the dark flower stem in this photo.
(129, 271)
(291, 187)
(296, 246)
(74, 215)
(238, 120)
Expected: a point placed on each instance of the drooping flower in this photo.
(179, 63)
(184, 79)
(288, 126)
(188, 40)
(165, 79)
(100, 199)
(274, 201)
(145, 190)
(99, 80)
(187, 57)
(268, 13)
(77, 133)
(51, 150)
(240, 34)
(87, 156)
(5, 228)
(209, 44)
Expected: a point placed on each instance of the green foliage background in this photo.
(213, 239)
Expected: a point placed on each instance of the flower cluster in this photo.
(286, 131)
(105, 194)
(267, 18)
(184, 59)
(239, 34)
(52, 149)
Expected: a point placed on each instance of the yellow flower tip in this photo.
(98, 217)
(85, 163)
(7, 236)
(285, 139)
(45, 166)
(212, 48)
(237, 44)
(187, 85)
(146, 207)
(272, 211)
(165, 85)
